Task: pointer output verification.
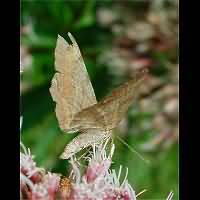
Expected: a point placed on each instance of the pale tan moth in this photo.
(76, 106)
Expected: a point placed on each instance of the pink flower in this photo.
(39, 192)
(98, 182)
(28, 166)
(96, 169)
(47, 189)
(35, 183)
(99, 163)
(51, 182)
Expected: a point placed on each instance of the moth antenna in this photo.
(132, 150)
(141, 192)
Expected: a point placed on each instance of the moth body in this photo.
(85, 139)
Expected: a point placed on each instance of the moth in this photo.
(77, 109)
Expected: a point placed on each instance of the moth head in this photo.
(69, 151)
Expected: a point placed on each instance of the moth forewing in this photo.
(106, 114)
(71, 88)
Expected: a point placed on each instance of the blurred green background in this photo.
(116, 38)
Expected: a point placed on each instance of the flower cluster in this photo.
(35, 184)
(98, 182)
